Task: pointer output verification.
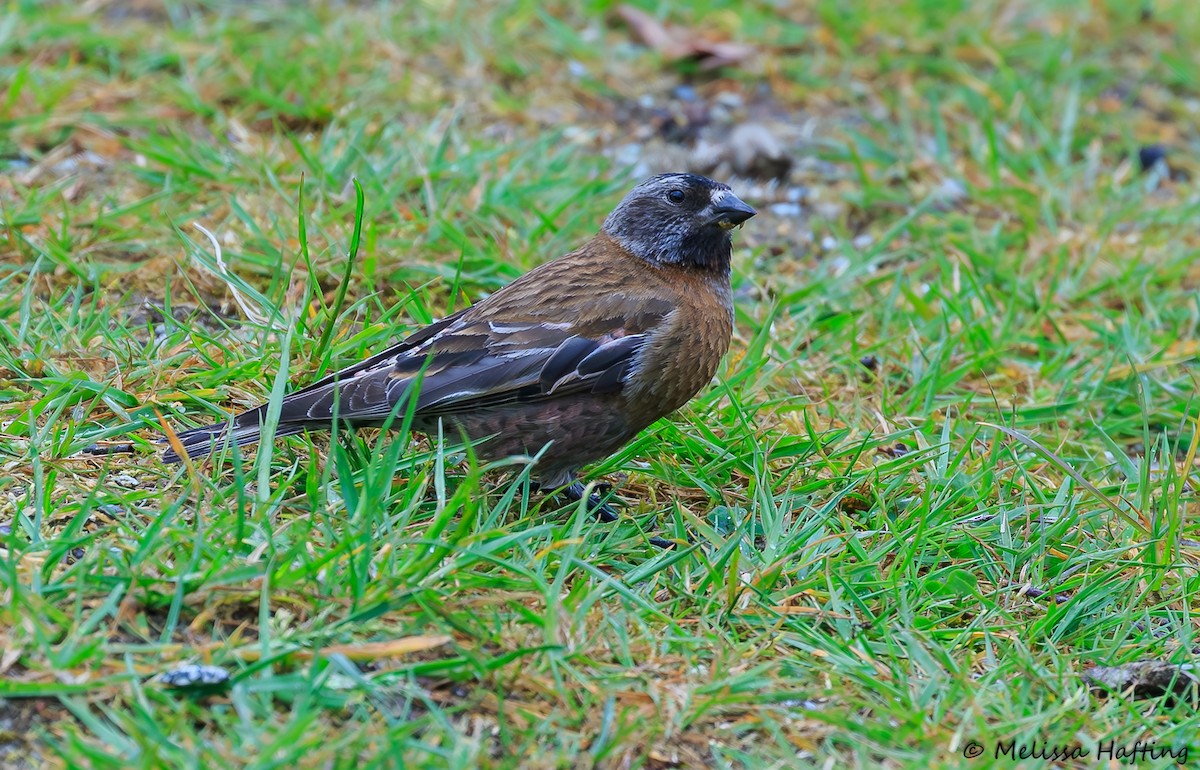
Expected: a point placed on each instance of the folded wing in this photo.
(459, 364)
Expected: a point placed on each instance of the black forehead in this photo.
(687, 182)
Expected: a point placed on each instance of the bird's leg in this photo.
(595, 502)
(601, 510)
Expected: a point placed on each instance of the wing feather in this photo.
(464, 364)
(472, 365)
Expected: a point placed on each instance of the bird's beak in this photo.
(729, 212)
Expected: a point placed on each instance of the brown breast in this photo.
(683, 354)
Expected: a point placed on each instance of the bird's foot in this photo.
(602, 510)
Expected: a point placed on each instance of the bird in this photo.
(571, 360)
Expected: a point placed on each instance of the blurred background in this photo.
(947, 467)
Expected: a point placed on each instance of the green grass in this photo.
(862, 535)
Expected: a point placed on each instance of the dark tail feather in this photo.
(360, 400)
(244, 429)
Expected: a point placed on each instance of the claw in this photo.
(601, 510)
(596, 505)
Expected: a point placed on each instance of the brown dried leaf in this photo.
(676, 43)
(653, 34)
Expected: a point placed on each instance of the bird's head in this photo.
(679, 219)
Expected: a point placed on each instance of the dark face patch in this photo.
(676, 219)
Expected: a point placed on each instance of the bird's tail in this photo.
(244, 429)
(361, 395)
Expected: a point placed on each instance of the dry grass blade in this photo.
(389, 648)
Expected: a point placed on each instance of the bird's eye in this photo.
(675, 196)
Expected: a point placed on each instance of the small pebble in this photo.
(193, 676)
(729, 99)
(628, 154)
(950, 191)
(755, 151)
(125, 480)
(1151, 155)
(785, 209)
(684, 93)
